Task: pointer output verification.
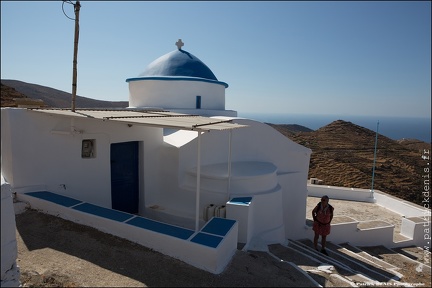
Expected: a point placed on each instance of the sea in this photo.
(395, 128)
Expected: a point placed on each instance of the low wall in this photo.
(378, 235)
(350, 232)
(240, 209)
(209, 249)
(340, 193)
(418, 229)
(343, 232)
(412, 229)
(400, 206)
(9, 271)
(391, 203)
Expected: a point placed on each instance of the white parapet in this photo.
(341, 193)
(9, 270)
(209, 249)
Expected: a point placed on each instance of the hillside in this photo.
(289, 130)
(55, 98)
(8, 96)
(343, 153)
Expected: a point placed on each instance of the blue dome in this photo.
(179, 63)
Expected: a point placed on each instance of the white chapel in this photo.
(175, 171)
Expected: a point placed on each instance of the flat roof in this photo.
(154, 118)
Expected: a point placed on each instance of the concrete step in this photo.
(389, 255)
(362, 266)
(413, 271)
(346, 272)
(415, 253)
(369, 257)
(370, 268)
(375, 274)
(263, 260)
(321, 273)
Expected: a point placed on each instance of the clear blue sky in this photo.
(353, 58)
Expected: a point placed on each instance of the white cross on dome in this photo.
(179, 44)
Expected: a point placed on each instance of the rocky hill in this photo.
(52, 97)
(8, 96)
(342, 152)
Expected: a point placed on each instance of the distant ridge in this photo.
(343, 152)
(54, 98)
(290, 129)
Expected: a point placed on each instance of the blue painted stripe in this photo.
(103, 212)
(159, 227)
(241, 200)
(218, 226)
(176, 78)
(207, 239)
(55, 198)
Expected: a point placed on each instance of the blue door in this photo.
(124, 176)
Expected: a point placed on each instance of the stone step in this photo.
(384, 253)
(320, 273)
(415, 253)
(369, 257)
(295, 276)
(367, 269)
(341, 269)
(413, 271)
(363, 264)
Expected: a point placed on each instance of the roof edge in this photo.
(176, 78)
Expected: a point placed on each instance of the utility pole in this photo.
(77, 7)
(374, 161)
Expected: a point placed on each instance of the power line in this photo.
(69, 2)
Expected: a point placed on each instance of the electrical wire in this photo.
(69, 2)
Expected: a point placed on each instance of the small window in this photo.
(88, 148)
(198, 102)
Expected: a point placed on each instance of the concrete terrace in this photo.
(360, 211)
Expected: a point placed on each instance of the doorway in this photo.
(125, 177)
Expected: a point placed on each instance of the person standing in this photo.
(322, 215)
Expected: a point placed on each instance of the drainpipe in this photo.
(229, 164)
(198, 183)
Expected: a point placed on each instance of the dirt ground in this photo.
(53, 252)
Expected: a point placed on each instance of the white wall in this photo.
(347, 232)
(405, 208)
(341, 193)
(180, 94)
(258, 142)
(43, 159)
(213, 260)
(9, 271)
(400, 206)
(36, 157)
